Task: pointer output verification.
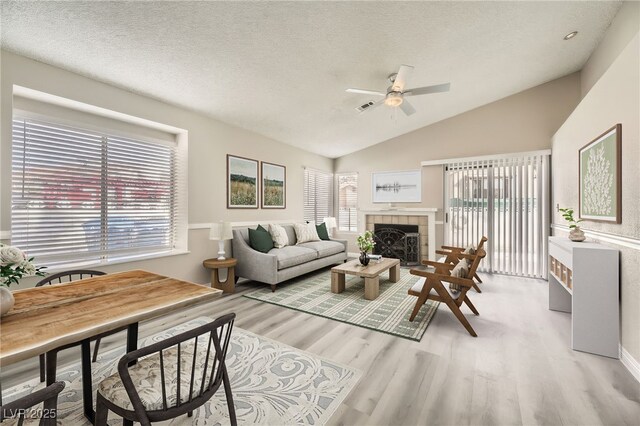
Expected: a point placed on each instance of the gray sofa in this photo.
(282, 264)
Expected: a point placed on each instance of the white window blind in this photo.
(318, 195)
(507, 200)
(348, 202)
(83, 197)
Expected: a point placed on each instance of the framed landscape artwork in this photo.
(600, 175)
(242, 183)
(274, 186)
(397, 187)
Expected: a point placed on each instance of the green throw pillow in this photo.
(322, 231)
(260, 228)
(260, 240)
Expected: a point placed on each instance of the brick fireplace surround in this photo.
(423, 218)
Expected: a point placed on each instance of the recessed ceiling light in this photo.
(571, 35)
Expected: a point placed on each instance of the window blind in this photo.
(318, 195)
(81, 196)
(348, 202)
(507, 200)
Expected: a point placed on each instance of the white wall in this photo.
(622, 29)
(209, 142)
(614, 98)
(521, 122)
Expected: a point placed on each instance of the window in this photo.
(348, 202)
(83, 197)
(507, 200)
(317, 195)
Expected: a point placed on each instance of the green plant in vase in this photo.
(576, 234)
(365, 244)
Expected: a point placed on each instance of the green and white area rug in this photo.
(388, 313)
(272, 384)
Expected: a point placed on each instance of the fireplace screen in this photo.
(398, 242)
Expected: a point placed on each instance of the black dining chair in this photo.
(66, 276)
(19, 408)
(169, 378)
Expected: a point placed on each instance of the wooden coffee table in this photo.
(370, 273)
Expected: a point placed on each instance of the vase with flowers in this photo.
(14, 265)
(365, 244)
(576, 234)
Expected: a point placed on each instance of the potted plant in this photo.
(365, 244)
(576, 234)
(14, 265)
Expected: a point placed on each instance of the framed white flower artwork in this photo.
(600, 175)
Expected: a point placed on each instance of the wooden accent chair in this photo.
(19, 408)
(451, 256)
(432, 287)
(170, 378)
(63, 277)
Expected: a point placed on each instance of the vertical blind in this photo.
(81, 196)
(318, 195)
(507, 200)
(348, 202)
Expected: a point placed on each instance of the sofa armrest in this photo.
(343, 242)
(252, 264)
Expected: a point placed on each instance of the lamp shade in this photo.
(330, 222)
(220, 231)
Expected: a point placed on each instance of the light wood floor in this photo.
(519, 370)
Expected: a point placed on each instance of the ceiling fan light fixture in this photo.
(571, 35)
(393, 99)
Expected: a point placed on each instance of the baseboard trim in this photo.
(630, 363)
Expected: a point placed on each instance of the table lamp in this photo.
(331, 224)
(220, 231)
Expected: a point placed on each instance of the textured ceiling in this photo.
(281, 68)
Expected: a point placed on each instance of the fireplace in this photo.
(397, 241)
(424, 218)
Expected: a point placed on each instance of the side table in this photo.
(228, 286)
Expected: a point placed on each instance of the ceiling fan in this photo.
(396, 93)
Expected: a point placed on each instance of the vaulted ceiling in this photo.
(281, 68)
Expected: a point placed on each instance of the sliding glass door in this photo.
(507, 200)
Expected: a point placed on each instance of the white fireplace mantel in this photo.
(430, 212)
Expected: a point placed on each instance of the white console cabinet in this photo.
(584, 281)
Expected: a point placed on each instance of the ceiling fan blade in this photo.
(367, 92)
(428, 89)
(376, 104)
(401, 78)
(407, 108)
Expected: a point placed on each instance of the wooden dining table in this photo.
(49, 317)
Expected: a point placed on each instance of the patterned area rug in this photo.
(388, 313)
(272, 383)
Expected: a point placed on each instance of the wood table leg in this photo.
(394, 273)
(337, 282)
(371, 288)
(228, 286)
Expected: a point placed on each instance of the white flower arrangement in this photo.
(14, 265)
(366, 242)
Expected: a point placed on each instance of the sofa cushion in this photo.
(324, 248)
(291, 234)
(323, 234)
(289, 256)
(305, 232)
(260, 240)
(279, 236)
